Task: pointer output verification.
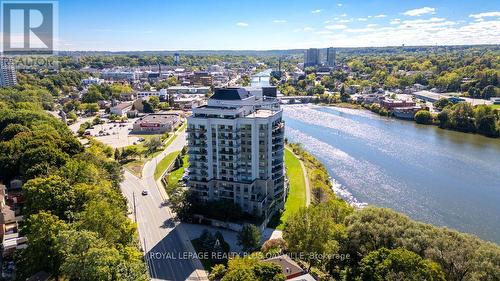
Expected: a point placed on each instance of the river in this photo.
(437, 176)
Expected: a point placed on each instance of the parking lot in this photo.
(115, 135)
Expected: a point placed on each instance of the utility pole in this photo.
(135, 210)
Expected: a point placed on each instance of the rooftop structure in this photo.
(157, 123)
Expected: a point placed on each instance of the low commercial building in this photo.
(92, 81)
(176, 90)
(121, 109)
(201, 78)
(389, 104)
(157, 123)
(119, 75)
(187, 102)
(159, 94)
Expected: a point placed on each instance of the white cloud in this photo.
(395, 21)
(336, 26)
(484, 15)
(423, 32)
(323, 32)
(380, 16)
(420, 21)
(307, 28)
(317, 11)
(362, 19)
(279, 21)
(242, 24)
(344, 21)
(419, 11)
(344, 15)
(372, 25)
(339, 4)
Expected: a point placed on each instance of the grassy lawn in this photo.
(297, 193)
(176, 175)
(164, 163)
(135, 167)
(495, 106)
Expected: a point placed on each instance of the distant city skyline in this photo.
(156, 25)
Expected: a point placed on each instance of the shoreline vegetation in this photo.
(371, 235)
(461, 117)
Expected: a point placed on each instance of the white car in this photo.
(144, 192)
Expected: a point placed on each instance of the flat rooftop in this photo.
(261, 113)
(158, 118)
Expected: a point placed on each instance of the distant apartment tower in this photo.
(236, 145)
(311, 57)
(7, 73)
(177, 58)
(330, 57)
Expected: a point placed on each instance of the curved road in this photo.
(168, 250)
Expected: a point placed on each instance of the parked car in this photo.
(144, 192)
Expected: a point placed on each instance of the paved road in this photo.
(169, 252)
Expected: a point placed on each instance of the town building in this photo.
(201, 78)
(236, 147)
(9, 223)
(174, 90)
(389, 104)
(143, 94)
(119, 75)
(187, 102)
(157, 123)
(311, 58)
(8, 76)
(91, 81)
(290, 268)
(330, 57)
(121, 109)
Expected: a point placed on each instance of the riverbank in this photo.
(362, 232)
(425, 172)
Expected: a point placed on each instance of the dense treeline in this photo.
(333, 240)
(474, 71)
(75, 216)
(380, 244)
(481, 119)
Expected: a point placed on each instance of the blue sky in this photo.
(117, 25)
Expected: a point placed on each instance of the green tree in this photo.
(399, 264)
(108, 220)
(93, 95)
(423, 117)
(41, 230)
(52, 194)
(154, 101)
(485, 120)
(312, 233)
(442, 103)
(153, 144)
(249, 238)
